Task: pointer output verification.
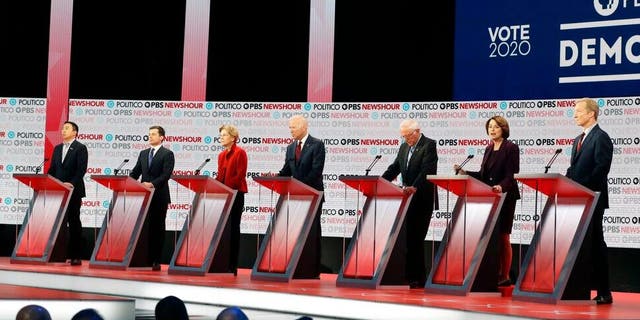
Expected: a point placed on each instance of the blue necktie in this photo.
(410, 154)
(150, 156)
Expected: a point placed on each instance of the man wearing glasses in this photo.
(416, 158)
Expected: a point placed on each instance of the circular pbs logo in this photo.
(605, 7)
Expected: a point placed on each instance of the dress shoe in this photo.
(416, 284)
(603, 299)
(155, 266)
(76, 262)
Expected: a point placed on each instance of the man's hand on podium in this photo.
(68, 184)
(148, 185)
(409, 190)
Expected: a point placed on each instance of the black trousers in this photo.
(417, 224)
(73, 226)
(309, 263)
(599, 253)
(156, 216)
(234, 224)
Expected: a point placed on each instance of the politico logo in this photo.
(605, 8)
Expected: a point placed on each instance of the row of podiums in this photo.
(544, 274)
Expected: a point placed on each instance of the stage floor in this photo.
(205, 295)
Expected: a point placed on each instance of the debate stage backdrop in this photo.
(353, 133)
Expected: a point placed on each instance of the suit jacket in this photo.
(158, 173)
(590, 166)
(499, 168)
(424, 161)
(310, 166)
(73, 168)
(232, 168)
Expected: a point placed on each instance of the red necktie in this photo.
(580, 142)
(298, 150)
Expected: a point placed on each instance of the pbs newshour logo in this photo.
(605, 7)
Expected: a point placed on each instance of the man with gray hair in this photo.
(304, 161)
(591, 157)
(416, 158)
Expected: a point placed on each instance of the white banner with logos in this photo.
(354, 133)
(21, 151)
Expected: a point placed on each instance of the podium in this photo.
(200, 239)
(460, 267)
(42, 220)
(118, 238)
(288, 229)
(366, 264)
(551, 258)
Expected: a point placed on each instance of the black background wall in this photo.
(396, 51)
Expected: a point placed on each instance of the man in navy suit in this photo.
(590, 163)
(417, 158)
(69, 165)
(156, 166)
(306, 164)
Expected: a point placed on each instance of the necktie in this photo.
(298, 150)
(580, 142)
(65, 149)
(150, 156)
(410, 154)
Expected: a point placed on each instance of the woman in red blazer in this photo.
(232, 171)
(500, 162)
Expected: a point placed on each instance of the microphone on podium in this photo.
(373, 163)
(197, 172)
(39, 167)
(469, 157)
(555, 155)
(116, 170)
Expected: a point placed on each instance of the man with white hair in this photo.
(416, 158)
(304, 161)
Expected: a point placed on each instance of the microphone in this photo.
(469, 157)
(197, 172)
(555, 155)
(373, 163)
(39, 167)
(116, 170)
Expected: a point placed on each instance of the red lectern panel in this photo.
(551, 257)
(376, 232)
(457, 264)
(203, 229)
(43, 219)
(288, 230)
(122, 226)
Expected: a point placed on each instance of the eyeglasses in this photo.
(408, 134)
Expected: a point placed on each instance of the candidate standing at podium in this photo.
(500, 162)
(417, 158)
(591, 158)
(304, 161)
(232, 172)
(69, 165)
(155, 165)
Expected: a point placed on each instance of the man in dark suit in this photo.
(417, 157)
(69, 165)
(305, 161)
(156, 166)
(591, 158)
